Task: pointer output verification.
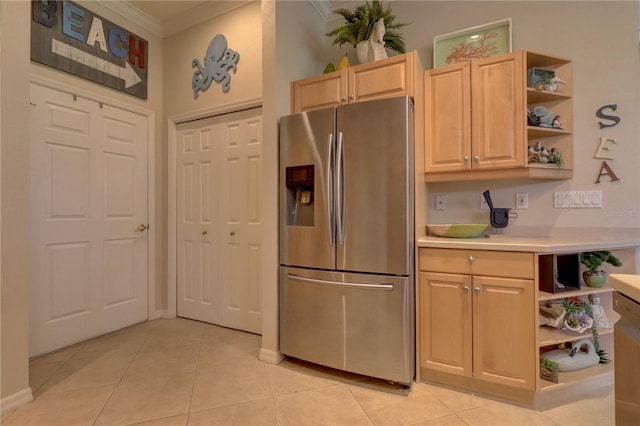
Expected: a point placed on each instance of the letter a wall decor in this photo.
(218, 61)
(71, 38)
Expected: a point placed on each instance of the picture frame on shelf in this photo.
(477, 42)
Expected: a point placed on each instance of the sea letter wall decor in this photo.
(605, 147)
(218, 61)
(71, 38)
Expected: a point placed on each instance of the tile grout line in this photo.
(359, 404)
(121, 378)
(273, 394)
(195, 376)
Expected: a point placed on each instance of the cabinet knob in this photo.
(476, 290)
(476, 158)
(342, 98)
(466, 289)
(466, 158)
(351, 97)
(471, 259)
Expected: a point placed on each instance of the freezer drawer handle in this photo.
(383, 286)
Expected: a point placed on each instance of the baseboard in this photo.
(159, 313)
(16, 400)
(270, 356)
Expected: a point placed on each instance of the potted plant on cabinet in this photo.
(593, 276)
(360, 23)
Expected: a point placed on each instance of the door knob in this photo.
(141, 228)
(204, 232)
(232, 233)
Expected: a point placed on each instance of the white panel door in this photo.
(219, 249)
(88, 198)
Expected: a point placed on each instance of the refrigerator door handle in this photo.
(381, 286)
(339, 193)
(330, 208)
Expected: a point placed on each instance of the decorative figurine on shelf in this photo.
(599, 315)
(551, 314)
(550, 85)
(540, 154)
(542, 117)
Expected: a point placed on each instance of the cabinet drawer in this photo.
(485, 262)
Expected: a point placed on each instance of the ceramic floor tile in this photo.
(87, 372)
(227, 352)
(76, 407)
(293, 375)
(330, 405)
(117, 343)
(168, 362)
(498, 414)
(450, 420)
(259, 412)
(458, 401)
(138, 400)
(387, 404)
(219, 386)
(597, 409)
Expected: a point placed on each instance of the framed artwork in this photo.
(472, 43)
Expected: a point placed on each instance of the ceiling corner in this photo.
(323, 7)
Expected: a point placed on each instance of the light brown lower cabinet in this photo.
(477, 330)
(478, 325)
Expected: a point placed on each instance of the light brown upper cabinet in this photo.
(394, 76)
(476, 119)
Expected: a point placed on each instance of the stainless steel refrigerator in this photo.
(346, 285)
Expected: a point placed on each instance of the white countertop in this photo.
(627, 284)
(530, 244)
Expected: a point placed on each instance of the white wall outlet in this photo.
(522, 200)
(441, 201)
(483, 203)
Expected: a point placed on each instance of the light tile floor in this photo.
(182, 372)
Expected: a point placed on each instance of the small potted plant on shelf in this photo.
(594, 276)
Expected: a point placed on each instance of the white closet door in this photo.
(88, 217)
(219, 220)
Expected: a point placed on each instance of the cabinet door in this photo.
(319, 92)
(445, 323)
(503, 331)
(385, 78)
(498, 112)
(447, 94)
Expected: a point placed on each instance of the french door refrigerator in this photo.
(346, 227)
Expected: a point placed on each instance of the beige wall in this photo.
(14, 191)
(243, 30)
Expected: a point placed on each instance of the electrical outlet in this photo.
(522, 200)
(441, 201)
(483, 203)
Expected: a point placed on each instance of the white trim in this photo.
(323, 8)
(172, 123)
(16, 400)
(153, 232)
(270, 356)
(133, 14)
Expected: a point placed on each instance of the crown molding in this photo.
(132, 13)
(178, 23)
(323, 8)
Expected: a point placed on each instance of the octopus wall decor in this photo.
(218, 61)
